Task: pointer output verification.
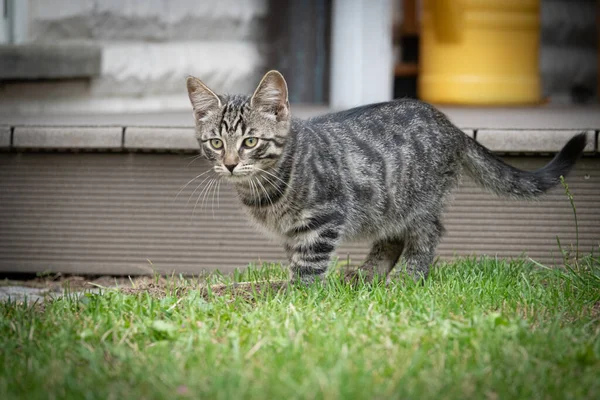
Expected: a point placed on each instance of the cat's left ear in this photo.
(271, 96)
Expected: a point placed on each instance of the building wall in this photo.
(569, 55)
(148, 48)
(121, 213)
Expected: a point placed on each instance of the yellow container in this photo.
(480, 52)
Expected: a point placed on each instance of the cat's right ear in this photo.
(204, 101)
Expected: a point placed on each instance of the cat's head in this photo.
(242, 135)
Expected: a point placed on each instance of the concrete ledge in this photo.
(530, 141)
(45, 61)
(4, 137)
(148, 21)
(182, 138)
(72, 137)
(157, 138)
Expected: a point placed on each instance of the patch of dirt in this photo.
(59, 282)
(246, 290)
(152, 290)
(595, 311)
(155, 287)
(162, 288)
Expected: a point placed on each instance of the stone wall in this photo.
(148, 48)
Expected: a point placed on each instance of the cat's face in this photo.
(241, 135)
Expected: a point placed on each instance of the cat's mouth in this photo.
(238, 174)
(237, 177)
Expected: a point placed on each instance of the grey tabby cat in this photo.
(380, 173)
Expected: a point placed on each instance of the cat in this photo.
(380, 173)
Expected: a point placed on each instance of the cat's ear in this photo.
(204, 101)
(271, 96)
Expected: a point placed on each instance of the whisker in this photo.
(258, 196)
(266, 178)
(198, 198)
(200, 194)
(265, 191)
(210, 185)
(213, 199)
(275, 176)
(197, 187)
(218, 192)
(190, 181)
(194, 159)
(252, 188)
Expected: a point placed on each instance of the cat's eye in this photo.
(250, 142)
(216, 144)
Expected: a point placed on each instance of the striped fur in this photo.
(380, 173)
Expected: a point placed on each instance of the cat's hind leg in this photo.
(380, 261)
(420, 242)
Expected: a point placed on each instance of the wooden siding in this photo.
(117, 213)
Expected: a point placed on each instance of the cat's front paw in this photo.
(307, 280)
(353, 276)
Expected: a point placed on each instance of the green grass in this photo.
(481, 329)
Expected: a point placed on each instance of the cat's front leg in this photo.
(310, 254)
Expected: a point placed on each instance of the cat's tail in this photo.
(490, 172)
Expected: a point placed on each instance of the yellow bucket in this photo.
(480, 52)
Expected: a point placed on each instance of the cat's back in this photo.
(403, 137)
(399, 111)
(393, 123)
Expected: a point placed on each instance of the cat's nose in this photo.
(230, 167)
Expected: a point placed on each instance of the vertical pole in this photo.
(362, 52)
(298, 34)
(4, 22)
(19, 18)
